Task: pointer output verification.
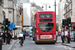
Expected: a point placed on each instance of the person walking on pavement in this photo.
(56, 34)
(4, 36)
(23, 34)
(10, 32)
(7, 37)
(68, 37)
(62, 36)
(66, 33)
(30, 32)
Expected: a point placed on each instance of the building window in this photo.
(71, 13)
(9, 11)
(74, 15)
(71, 6)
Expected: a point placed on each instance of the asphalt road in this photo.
(29, 44)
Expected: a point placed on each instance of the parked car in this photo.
(72, 35)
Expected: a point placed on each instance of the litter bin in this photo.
(0, 44)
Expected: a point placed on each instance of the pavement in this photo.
(72, 43)
(8, 46)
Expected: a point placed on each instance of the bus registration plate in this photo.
(45, 36)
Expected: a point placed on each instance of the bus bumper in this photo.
(53, 41)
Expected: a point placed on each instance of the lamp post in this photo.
(46, 6)
(55, 7)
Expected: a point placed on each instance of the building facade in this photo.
(70, 10)
(34, 9)
(8, 9)
(65, 11)
(60, 13)
(1, 14)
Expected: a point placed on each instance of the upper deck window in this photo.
(45, 15)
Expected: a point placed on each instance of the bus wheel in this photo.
(53, 43)
(36, 42)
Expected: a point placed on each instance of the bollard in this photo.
(0, 44)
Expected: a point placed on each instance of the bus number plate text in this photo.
(45, 36)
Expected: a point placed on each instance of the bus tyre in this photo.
(36, 42)
(53, 43)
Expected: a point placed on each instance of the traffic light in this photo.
(7, 24)
(63, 23)
(69, 22)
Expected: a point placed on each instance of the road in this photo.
(29, 44)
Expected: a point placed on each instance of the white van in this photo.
(17, 31)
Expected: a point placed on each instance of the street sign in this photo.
(14, 26)
(11, 26)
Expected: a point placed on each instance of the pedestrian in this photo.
(56, 34)
(62, 36)
(23, 32)
(66, 33)
(68, 37)
(7, 37)
(30, 32)
(10, 32)
(3, 37)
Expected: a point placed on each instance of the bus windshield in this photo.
(46, 27)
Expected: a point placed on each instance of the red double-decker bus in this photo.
(72, 31)
(45, 29)
(72, 26)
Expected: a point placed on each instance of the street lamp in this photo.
(46, 6)
(55, 7)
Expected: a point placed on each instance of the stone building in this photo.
(1, 14)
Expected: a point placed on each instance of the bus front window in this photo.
(46, 27)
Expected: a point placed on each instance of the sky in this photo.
(43, 2)
(48, 2)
